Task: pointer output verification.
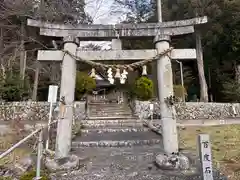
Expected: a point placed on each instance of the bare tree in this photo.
(200, 64)
(17, 40)
(91, 46)
(200, 7)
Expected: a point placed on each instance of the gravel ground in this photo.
(135, 163)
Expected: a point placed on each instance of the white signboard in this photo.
(151, 107)
(52, 94)
(52, 98)
(206, 156)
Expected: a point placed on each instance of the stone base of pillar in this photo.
(72, 162)
(173, 162)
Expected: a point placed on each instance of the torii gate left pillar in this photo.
(68, 81)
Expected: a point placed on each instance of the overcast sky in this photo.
(100, 10)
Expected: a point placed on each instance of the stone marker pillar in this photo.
(165, 90)
(116, 44)
(68, 79)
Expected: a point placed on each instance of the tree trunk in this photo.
(36, 78)
(202, 79)
(210, 84)
(237, 72)
(22, 52)
(1, 45)
(11, 60)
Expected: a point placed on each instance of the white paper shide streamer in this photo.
(93, 73)
(144, 72)
(123, 77)
(110, 76)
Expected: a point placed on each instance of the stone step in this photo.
(111, 118)
(108, 105)
(116, 139)
(103, 101)
(107, 114)
(112, 123)
(116, 129)
(112, 100)
(109, 109)
(108, 125)
(101, 108)
(112, 112)
(127, 143)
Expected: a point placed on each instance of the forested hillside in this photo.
(220, 40)
(20, 73)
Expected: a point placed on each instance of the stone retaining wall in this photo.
(34, 111)
(191, 110)
(38, 111)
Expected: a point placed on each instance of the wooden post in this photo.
(23, 54)
(36, 78)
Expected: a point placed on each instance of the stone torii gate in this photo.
(161, 32)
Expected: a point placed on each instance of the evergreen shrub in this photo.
(84, 84)
(143, 89)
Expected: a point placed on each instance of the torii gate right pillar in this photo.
(165, 90)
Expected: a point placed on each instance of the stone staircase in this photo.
(108, 109)
(110, 124)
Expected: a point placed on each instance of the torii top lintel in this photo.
(105, 32)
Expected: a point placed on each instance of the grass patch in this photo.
(7, 141)
(32, 174)
(225, 146)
